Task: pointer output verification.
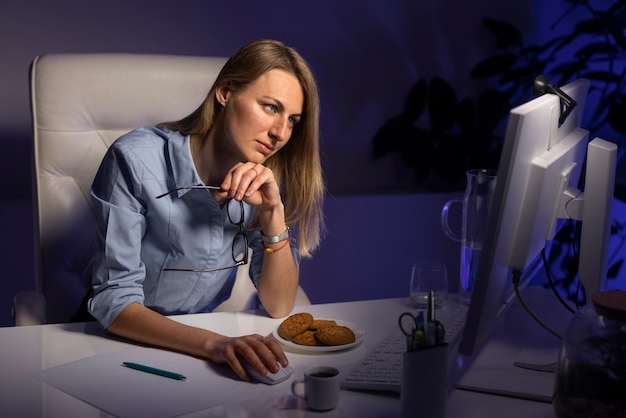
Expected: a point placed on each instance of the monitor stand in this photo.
(519, 358)
(539, 361)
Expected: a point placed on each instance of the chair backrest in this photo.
(80, 104)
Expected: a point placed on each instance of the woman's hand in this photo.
(253, 183)
(144, 325)
(256, 185)
(262, 353)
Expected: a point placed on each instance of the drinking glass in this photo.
(426, 277)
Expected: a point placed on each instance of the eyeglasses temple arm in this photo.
(188, 187)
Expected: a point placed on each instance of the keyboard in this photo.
(381, 369)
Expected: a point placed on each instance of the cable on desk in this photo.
(517, 274)
(546, 267)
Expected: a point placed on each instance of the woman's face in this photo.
(259, 120)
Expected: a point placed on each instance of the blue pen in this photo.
(419, 319)
(420, 332)
(153, 370)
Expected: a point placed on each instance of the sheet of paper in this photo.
(103, 382)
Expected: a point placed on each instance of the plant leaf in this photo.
(416, 100)
(616, 114)
(390, 136)
(614, 269)
(492, 107)
(605, 76)
(596, 48)
(442, 105)
(467, 115)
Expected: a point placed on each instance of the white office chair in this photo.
(80, 104)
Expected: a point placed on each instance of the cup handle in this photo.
(444, 220)
(294, 388)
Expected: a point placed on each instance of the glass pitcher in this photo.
(476, 202)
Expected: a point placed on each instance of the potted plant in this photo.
(466, 133)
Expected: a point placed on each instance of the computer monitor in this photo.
(537, 184)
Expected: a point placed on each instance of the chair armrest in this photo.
(29, 308)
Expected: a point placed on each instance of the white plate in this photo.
(359, 333)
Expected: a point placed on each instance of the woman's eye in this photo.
(271, 108)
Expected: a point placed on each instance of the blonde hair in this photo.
(296, 167)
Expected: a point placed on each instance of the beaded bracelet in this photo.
(273, 250)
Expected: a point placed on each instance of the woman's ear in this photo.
(222, 94)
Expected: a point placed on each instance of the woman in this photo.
(178, 205)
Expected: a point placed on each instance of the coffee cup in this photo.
(321, 387)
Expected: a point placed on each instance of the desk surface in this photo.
(27, 353)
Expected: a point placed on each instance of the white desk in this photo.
(26, 351)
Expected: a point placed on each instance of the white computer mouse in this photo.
(270, 378)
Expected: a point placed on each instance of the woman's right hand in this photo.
(262, 353)
(144, 325)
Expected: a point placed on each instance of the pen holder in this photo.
(425, 382)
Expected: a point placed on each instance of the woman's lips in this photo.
(264, 148)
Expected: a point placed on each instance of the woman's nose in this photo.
(280, 129)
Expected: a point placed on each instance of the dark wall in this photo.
(366, 55)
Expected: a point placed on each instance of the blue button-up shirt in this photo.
(139, 236)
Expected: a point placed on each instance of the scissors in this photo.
(412, 326)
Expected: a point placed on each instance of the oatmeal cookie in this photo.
(321, 323)
(306, 338)
(294, 325)
(335, 335)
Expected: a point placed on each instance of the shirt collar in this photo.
(183, 167)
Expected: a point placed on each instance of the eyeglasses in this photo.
(239, 239)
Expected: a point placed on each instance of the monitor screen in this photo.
(537, 184)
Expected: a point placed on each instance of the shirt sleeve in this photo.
(118, 271)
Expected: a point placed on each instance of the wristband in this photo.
(273, 239)
(273, 250)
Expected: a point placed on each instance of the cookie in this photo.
(294, 325)
(335, 335)
(321, 323)
(306, 338)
